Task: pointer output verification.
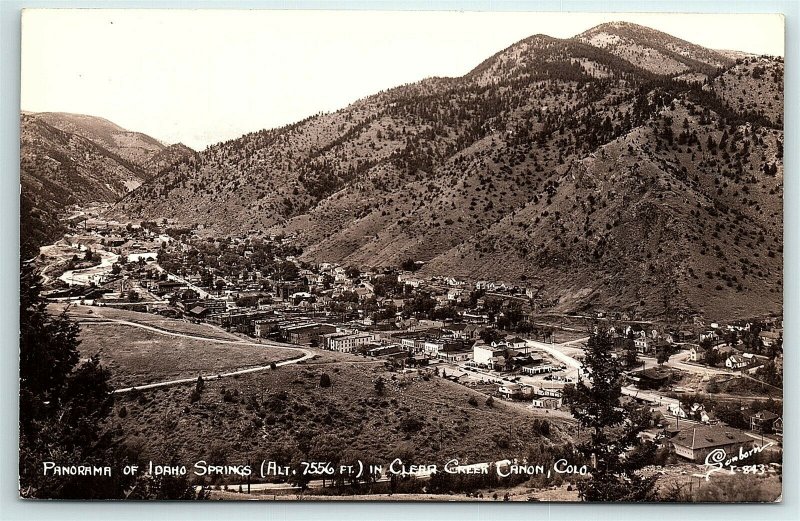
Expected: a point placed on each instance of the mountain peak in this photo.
(654, 50)
(619, 24)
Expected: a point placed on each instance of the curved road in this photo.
(562, 355)
(307, 354)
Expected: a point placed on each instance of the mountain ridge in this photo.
(74, 158)
(476, 176)
(130, 145)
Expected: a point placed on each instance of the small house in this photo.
(697, 354)
(510, 391)
(766, 421)
(735, 362)
(546, 402)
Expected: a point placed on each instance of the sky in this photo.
(200, 76)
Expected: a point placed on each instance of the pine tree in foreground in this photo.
(64, 408)
(613, 444)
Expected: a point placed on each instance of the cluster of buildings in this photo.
(508, 355)
(373, 314)
(540, 396)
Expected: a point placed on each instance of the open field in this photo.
(286, 414)
(137, 356)
(180, 326)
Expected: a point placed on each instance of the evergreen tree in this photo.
(613, 441)
(662, 355)
(63, 407)
(61, 403)
(631, 355)
(380, 386)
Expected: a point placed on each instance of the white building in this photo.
(735, 362)
(510, 391)
(546, 402)
(483, 354)
(348, 343)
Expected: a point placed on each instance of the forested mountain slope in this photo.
(574, 165)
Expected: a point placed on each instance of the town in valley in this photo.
(707, 385)
(556, 277)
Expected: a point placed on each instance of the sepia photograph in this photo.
(401, 256)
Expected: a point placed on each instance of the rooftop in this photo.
(707, 436)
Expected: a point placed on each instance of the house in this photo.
(450, 281)
(115, 241)
(455, 352)
(454, 294)
(413, 344)
(769, 338)
(475, 318)
(766, 421)
(680, 337)
(263, 327)
(546, 402)
(698, 412)
(398, 303)
(363, 293)
(753, 359)
(213, 306)
(725, 351)
(435, 347)
(634, 330)
(409, 279)
(432, 348)
(735, 362)
(456, 330)
(240, 320)
(168, 286)
(510, 391)
(696, 442)
(644, 345)
(516, 343)
(300, 296)
(739, 326)
(709, 335)
(697, 354)
(676, 409)
(472, 331)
